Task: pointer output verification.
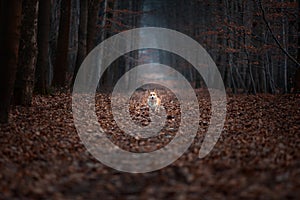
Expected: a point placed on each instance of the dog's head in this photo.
(152, 95)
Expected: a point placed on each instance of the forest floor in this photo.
(256, 157)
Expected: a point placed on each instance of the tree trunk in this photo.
(104, 19)
(297, 75)
(27, 54)
(82, 51)
(285, 46)
(43, 46)
(74, 39)
(54, 27)
(10, 22)
(61, 63)
(92, 23)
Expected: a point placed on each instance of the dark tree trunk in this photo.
(94, 6)
(54, 27)
(81, 53)
(43, 46)
(73, 41)
(297, 76)
(61, 63)
(27, 54)
(10, 22)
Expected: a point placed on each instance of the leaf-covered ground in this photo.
(256, 157)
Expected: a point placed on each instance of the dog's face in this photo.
(152, 96)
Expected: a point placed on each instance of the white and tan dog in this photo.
(153, 101)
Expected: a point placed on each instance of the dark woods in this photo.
(255, 44)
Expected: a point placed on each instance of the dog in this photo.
(153, 101)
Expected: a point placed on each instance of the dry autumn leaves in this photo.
(256, 157)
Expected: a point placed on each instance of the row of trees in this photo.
(255, 44)
(35, 41)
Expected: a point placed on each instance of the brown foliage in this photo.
(256, 157)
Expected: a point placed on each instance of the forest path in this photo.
(256, 156)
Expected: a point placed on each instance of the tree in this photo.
(93, 8)
(297, 75)
(10, 23)
(82, 49)
(61, 62)
(43, 46)
(24, 83)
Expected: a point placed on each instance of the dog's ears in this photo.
(148, 91)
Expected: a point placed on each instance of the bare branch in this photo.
(273, 36)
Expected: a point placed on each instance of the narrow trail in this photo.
(257, 155)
